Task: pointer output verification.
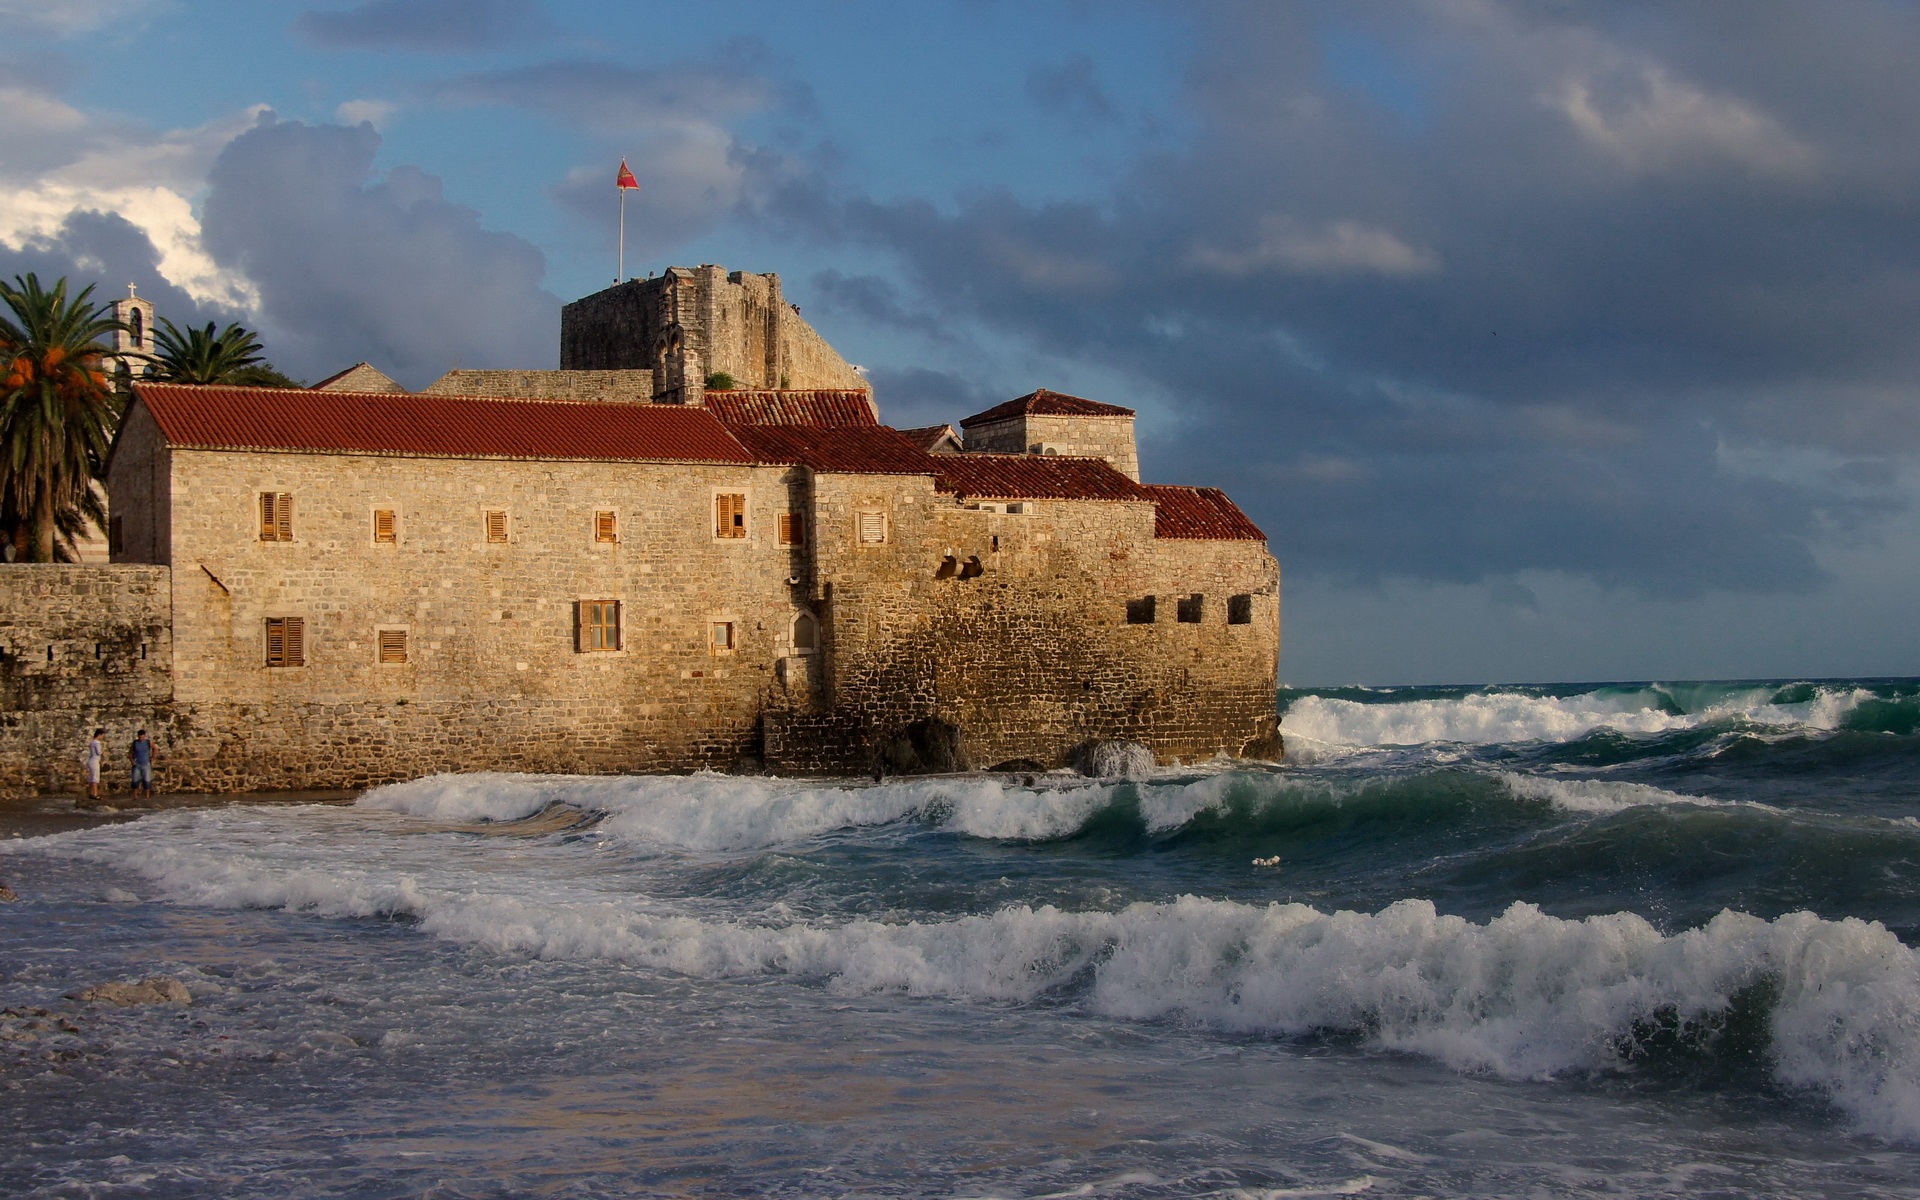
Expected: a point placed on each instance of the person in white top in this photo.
(96, 754)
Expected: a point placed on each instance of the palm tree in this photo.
(57, 415)
(201, 355)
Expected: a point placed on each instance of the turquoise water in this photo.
(1621, 939)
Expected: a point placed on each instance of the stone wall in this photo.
(80, 647)
(621, 387)
(1032, 655)
(1110, 438)
(706, 320)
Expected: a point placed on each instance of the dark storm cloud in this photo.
(616, 97)
(351, 266)
(432, 26)
(108, 251)
(1453, 290)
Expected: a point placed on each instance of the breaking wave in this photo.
(1525, 995)
(1493, 716)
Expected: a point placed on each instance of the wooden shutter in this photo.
(579, 626)
(383, 525)
(286, 641)
(792, 532)
(393, 645)
(276, 516)
(873, 528)
(606, 527)
(619, 627)
(496, 525)
(730, 515)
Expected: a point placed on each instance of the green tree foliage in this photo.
(719, 381)
(198, 355)
(57, 416)
(264, 375)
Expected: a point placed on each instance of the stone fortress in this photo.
(614, 567)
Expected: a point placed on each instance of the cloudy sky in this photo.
(1548, 341)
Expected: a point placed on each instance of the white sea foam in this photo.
(1603, 795)
(1525, 995)
(1490, 718)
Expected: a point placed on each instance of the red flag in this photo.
(625, 179)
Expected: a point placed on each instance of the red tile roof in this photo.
(238, 418)
(1033, 477)
(823, 406)
(1199, 513)
(1046, 403)
(856, 450)
(928, 436)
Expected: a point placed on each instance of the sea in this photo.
(1635, 939)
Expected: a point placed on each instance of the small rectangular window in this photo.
(276, 516)
(872, 527)
(393, 646)
(606, 527)
(385, 529)
(1240, 609)
(286, 642)
(722, 637)
(792, 532)
(1190, 608)
(730, 515)
(596, 625)
(1140, 612)
(115, 540)
(496, 525)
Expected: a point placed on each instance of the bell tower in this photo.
(133, 341)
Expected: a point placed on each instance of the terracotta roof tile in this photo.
(1033, 477)
(1046, 403)
(929, 436)
(852, 450)
(1203, 514)
(440, 426)
(821, 406)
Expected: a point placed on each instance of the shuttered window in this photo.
(792, 532)
(606, 527)
(873, 527)
(276, 516)
(496, 525)
(393, 646)
(596, 625)
(729, 515)
(384, 526)
(286, 641)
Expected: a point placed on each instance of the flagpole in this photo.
(620, 264)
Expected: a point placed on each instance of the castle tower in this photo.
(690, 323)
(1045, 422)
(133, 343)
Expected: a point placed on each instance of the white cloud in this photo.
(149, 179)
(66, 18)
(1344, 247)
(370, 112)
(1649, 120)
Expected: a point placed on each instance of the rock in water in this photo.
(1115, 760)
(7, 894)
(155, 989)
(928, 746)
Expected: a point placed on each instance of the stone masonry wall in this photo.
(619, 387)
(1032, 656)
(80, 647)
(1110, 438)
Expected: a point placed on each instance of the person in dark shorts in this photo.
(140, 755)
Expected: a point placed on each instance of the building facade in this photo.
(327, 588)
